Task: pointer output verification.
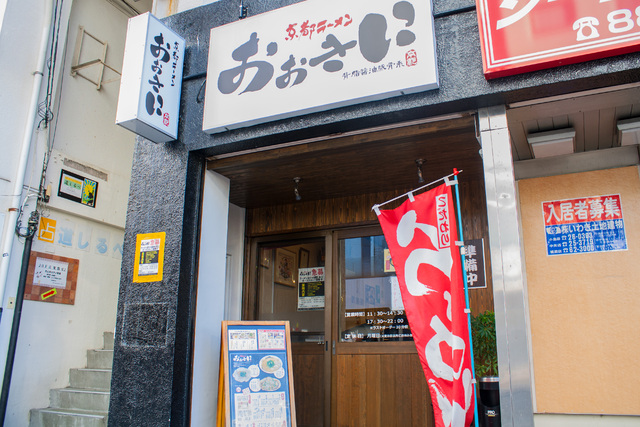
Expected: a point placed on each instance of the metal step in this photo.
(75, 398)
(53, 417)
(99, 359)
(90, 379)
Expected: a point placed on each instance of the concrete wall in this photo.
(54, 337)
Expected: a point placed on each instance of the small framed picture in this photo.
(286, 266)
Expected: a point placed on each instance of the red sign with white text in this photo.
(519, 36)
(597, 208)
(422, 235)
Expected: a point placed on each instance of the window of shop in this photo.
(371, 307)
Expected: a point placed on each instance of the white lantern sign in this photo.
(149, 100)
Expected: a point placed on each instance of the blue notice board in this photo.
(258, 380)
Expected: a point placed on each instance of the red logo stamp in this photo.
(165, 119)
(411, 58)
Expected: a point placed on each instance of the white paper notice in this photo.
(50, 273)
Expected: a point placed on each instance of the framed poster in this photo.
(286, 267)
(78, 188)
(51, 278)
(149, 257)
(256, 376)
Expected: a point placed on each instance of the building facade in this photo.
(234, 233)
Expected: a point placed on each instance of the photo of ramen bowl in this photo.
(270, 364)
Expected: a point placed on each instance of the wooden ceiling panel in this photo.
(381, 161)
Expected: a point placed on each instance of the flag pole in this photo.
(376, 208)
(466, 290)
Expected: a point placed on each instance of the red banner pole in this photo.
(466, 290)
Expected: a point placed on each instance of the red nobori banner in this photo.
(519, 36)
(421, 235)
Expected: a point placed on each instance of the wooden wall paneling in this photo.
(380, 390)
(421, 398)
(374, 385)
(475, 226)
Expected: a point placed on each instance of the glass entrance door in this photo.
(378, 377)
(294, 284)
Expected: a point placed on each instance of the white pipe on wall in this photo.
(7, 242)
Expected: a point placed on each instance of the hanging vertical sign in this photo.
(421, 235)
(474, 263)
(317, 55)
(584, 225)
(149, 261)
(151, 81)
(519, 36)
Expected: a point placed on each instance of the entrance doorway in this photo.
(353, 357)
(354, 361)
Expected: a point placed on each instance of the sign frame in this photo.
(53, 294)
(151, 82)
(572, 228)
(86, 184)
(316, 56)
(224, 413)
(534, 35)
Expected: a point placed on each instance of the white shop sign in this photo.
(151, 81)
(317, 55)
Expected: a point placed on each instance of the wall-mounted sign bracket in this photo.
(76, 66)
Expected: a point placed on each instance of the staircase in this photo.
(85, 403)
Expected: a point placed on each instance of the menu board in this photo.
(256, 375)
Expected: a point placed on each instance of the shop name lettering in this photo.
(154, 102)
(580, 210)
(374, 48)
(586, 27)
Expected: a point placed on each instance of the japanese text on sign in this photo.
(474, 263)
(361, 50)
(151, 81)
(592, 224)
(50, 273)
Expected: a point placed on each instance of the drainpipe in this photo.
(15, 326)
(7, 242)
